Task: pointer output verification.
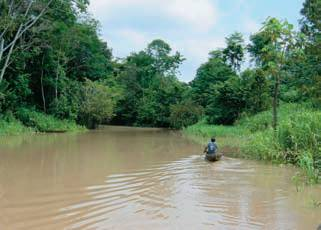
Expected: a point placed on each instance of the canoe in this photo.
(213, 157)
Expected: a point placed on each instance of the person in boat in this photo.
(211, 151)
(211, 147)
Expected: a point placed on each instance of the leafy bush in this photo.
(248, 93)
(297, 140)
(66, 106)
(226, 103)
(44, 123)
(11, 126)
(185, 114)
(98, 103)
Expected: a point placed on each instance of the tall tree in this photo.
(150, 86)
(18, 17)
(311, 26)
(234, 51)
(163, 61)
(271, 46)
(214, 71)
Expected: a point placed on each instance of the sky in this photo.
(192, 27)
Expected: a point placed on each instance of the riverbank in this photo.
(297, 140)
(27, 122)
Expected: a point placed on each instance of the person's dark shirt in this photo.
(211, 147)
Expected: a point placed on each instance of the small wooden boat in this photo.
(213, 157)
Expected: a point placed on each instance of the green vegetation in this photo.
(150, 86)
(297, 140)
(45, 123)
(30, 121)
(97, 104)
(54, 53)
(11, 126)
(56, 73)
(287, 70)
(185, 114)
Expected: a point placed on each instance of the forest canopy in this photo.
(53, 62)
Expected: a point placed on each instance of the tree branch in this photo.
(22, 28)
(28, 26)
(1, 48)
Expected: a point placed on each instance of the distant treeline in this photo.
(52, 61)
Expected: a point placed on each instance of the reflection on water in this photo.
(128, 178)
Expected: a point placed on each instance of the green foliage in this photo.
(61, 67)
(15, 92)
(185, 114)
(296, 141)
(301, 130)
(248, 94)
(229, 137)
(91, 57)
(234, 51)
(262, 146)
(162, 60)
(45, 123)
(310, 78)
(11, 126)
(307, 163)
(255, 89)
(263, 120)
(213, 72)
(226, 103)
(97, 103)
(224, 95)
(67, 104)
(150, 86)
(311, 24)
(271, 47)
(50, 62)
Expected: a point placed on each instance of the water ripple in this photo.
(189, 190)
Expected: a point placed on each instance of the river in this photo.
(132, 178)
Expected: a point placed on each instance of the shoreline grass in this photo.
(297, 140)
(29, 121)
(13, 127)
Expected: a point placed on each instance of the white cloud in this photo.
(199, 14)
(137, 39)
(195, 48)
(198, 48)
(250, 26)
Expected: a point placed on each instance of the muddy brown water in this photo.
(130, 178)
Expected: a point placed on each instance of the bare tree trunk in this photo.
(23, 27)
(6, 63)
(41, 82)
(276, 101)
(57, 78)
(1, 48)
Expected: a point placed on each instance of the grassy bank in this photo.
(29, 121)
(13, 127)
(228, 137)
(297, 140)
